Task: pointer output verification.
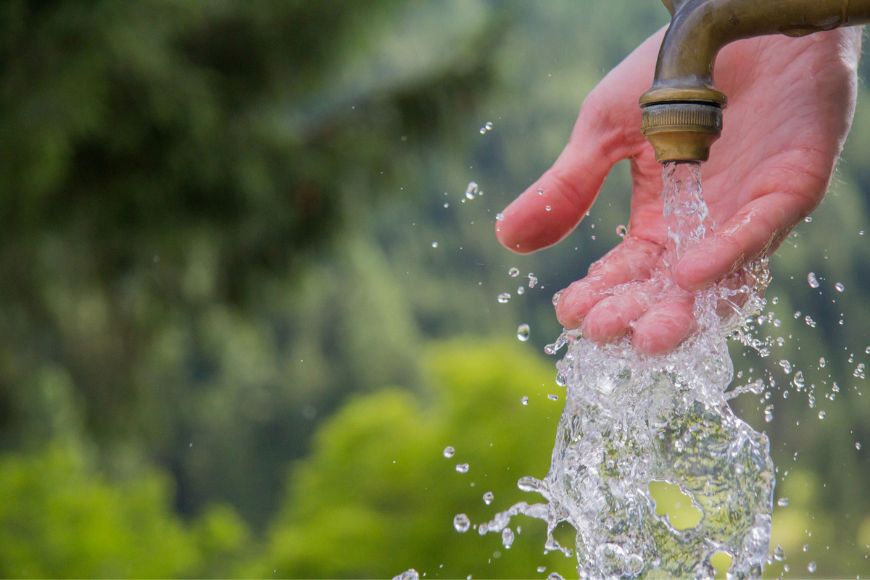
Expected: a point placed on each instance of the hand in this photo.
(791, 103)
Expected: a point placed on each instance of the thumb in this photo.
(553, 205)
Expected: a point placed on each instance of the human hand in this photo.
(791, 103)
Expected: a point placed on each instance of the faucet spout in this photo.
(682, 111)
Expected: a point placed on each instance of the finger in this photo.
(552, 206)
(753, 231)
(665, 325)
(632, 260)
(610, 319)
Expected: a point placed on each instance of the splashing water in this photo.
(631, 420)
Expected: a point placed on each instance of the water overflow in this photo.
(632, 421)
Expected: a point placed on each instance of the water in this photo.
(631, 420)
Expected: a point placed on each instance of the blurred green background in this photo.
(245, 306)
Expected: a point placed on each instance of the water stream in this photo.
(632, 420)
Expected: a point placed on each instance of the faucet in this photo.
(682, 112)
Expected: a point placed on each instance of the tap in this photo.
(682, 111)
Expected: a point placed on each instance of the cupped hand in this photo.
(791, 103)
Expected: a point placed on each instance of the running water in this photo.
(631, 420)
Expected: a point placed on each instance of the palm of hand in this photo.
(790, 107)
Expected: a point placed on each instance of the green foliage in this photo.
(60, 518)
(376, 496)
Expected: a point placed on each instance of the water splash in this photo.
(631, 420)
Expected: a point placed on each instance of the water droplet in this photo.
(499, 217)
(786, 366)
(822, 362)
(521, 290)
(822, 415)
(541, 569)
(808, 320)
(621, 231)
(472, 190)
(858, 445)
(487, 127)
(840, 287)
(488, 497)
(798, 380)
(514, 272)
(446, 205)
(434, 244)
(805, 547)
(448, 452)
(782, 502)
(548, 208)
(533, 280)
(808, 219)
(553, 397)
(768, 414)
(503, 298)
(461, 523)
(558, 296)
(778, 553)
(409, 574)
(541, 192)
(462, 468)
(555, 576)
(524, 401)
(507, 538)
(523, 332)
(811, 567)
(812, 280)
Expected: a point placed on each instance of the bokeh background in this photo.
(244, 303)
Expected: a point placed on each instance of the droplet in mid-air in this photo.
(472, 190)
(488, 497)
(487, 127)
(533, 280)
(811, 567)
(548, 208)
(858, 445)
(461, 523)
(514, 272)
(621, 230)
(557, 297)
(461, 468)
(778, 553)
(449, 452)
(782, 502)
(812, 280)
(434, 244)
(504, 298)
(822, 415)
(524, 401)
(499, 217)
(523, 332)
(507, 538)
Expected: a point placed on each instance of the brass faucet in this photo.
(682, 112)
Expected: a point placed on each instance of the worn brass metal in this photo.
(682, 111)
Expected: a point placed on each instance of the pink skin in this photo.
(791, 102)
